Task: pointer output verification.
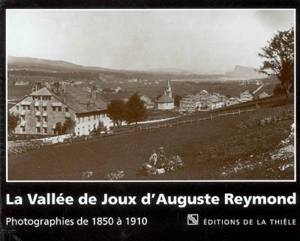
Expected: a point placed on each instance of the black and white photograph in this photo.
(150, 121)
(150, 95)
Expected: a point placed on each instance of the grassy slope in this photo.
(207, 149)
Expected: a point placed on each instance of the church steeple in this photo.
(168, 90)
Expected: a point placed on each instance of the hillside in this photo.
(241, 72)
(252, 146)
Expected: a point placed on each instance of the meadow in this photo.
(211, 150)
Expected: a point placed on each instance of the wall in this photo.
(39, 116)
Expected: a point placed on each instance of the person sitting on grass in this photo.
(153, 159)
(162, 156)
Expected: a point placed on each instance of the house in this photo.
(149, 104)
(42, 109)
(190, 103)
(231, 101)
(246, 96)
(262, 91)
(203, 94)
(214, 102)
(242, 83)
(165, 101)
(263, 95)
(21, 82)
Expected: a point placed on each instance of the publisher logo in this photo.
(192, 219)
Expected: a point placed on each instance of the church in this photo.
(165, 101)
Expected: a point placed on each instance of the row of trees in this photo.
(132, 111)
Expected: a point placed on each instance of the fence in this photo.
(210, 117)
(24, 146)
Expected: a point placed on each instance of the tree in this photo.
(278, 58)
(12, 121)
(116, 111)
(58, 128)
(278, 90)
(177, 100)
(68, 126)
(135, 109)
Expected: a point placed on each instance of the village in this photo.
(50, 103)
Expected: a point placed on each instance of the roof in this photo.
(214, 99)
(146, 99)
(41, 92)
(203, 92)
(164, 99)
(246, 92)
(81, 101)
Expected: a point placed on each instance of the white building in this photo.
(165, 101)
(44, 108)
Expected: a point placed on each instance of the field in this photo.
(241, 147)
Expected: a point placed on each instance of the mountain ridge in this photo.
(38, 64)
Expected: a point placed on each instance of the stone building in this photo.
(42, 109)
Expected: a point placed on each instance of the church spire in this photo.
(168, 90)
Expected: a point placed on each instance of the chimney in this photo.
(55, 87)
(64, 87)
(38, 86)
(94, 94)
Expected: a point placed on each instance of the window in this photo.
(44, 108)
(38, 129)
(38, 118)
(56, 108)
(23, 128)
(45, 130)
(67, 109)
(36, 108)
(44, 118)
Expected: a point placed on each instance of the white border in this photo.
(157, 181)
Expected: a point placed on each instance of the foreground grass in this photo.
(209, 149)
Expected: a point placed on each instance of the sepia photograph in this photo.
(153, 95)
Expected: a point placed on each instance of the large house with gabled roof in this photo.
(41, 110)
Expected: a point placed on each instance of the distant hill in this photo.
(45, 64)
(65, 70)
(170, 70)
(241, 72)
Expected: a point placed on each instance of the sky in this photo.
(199, 41)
